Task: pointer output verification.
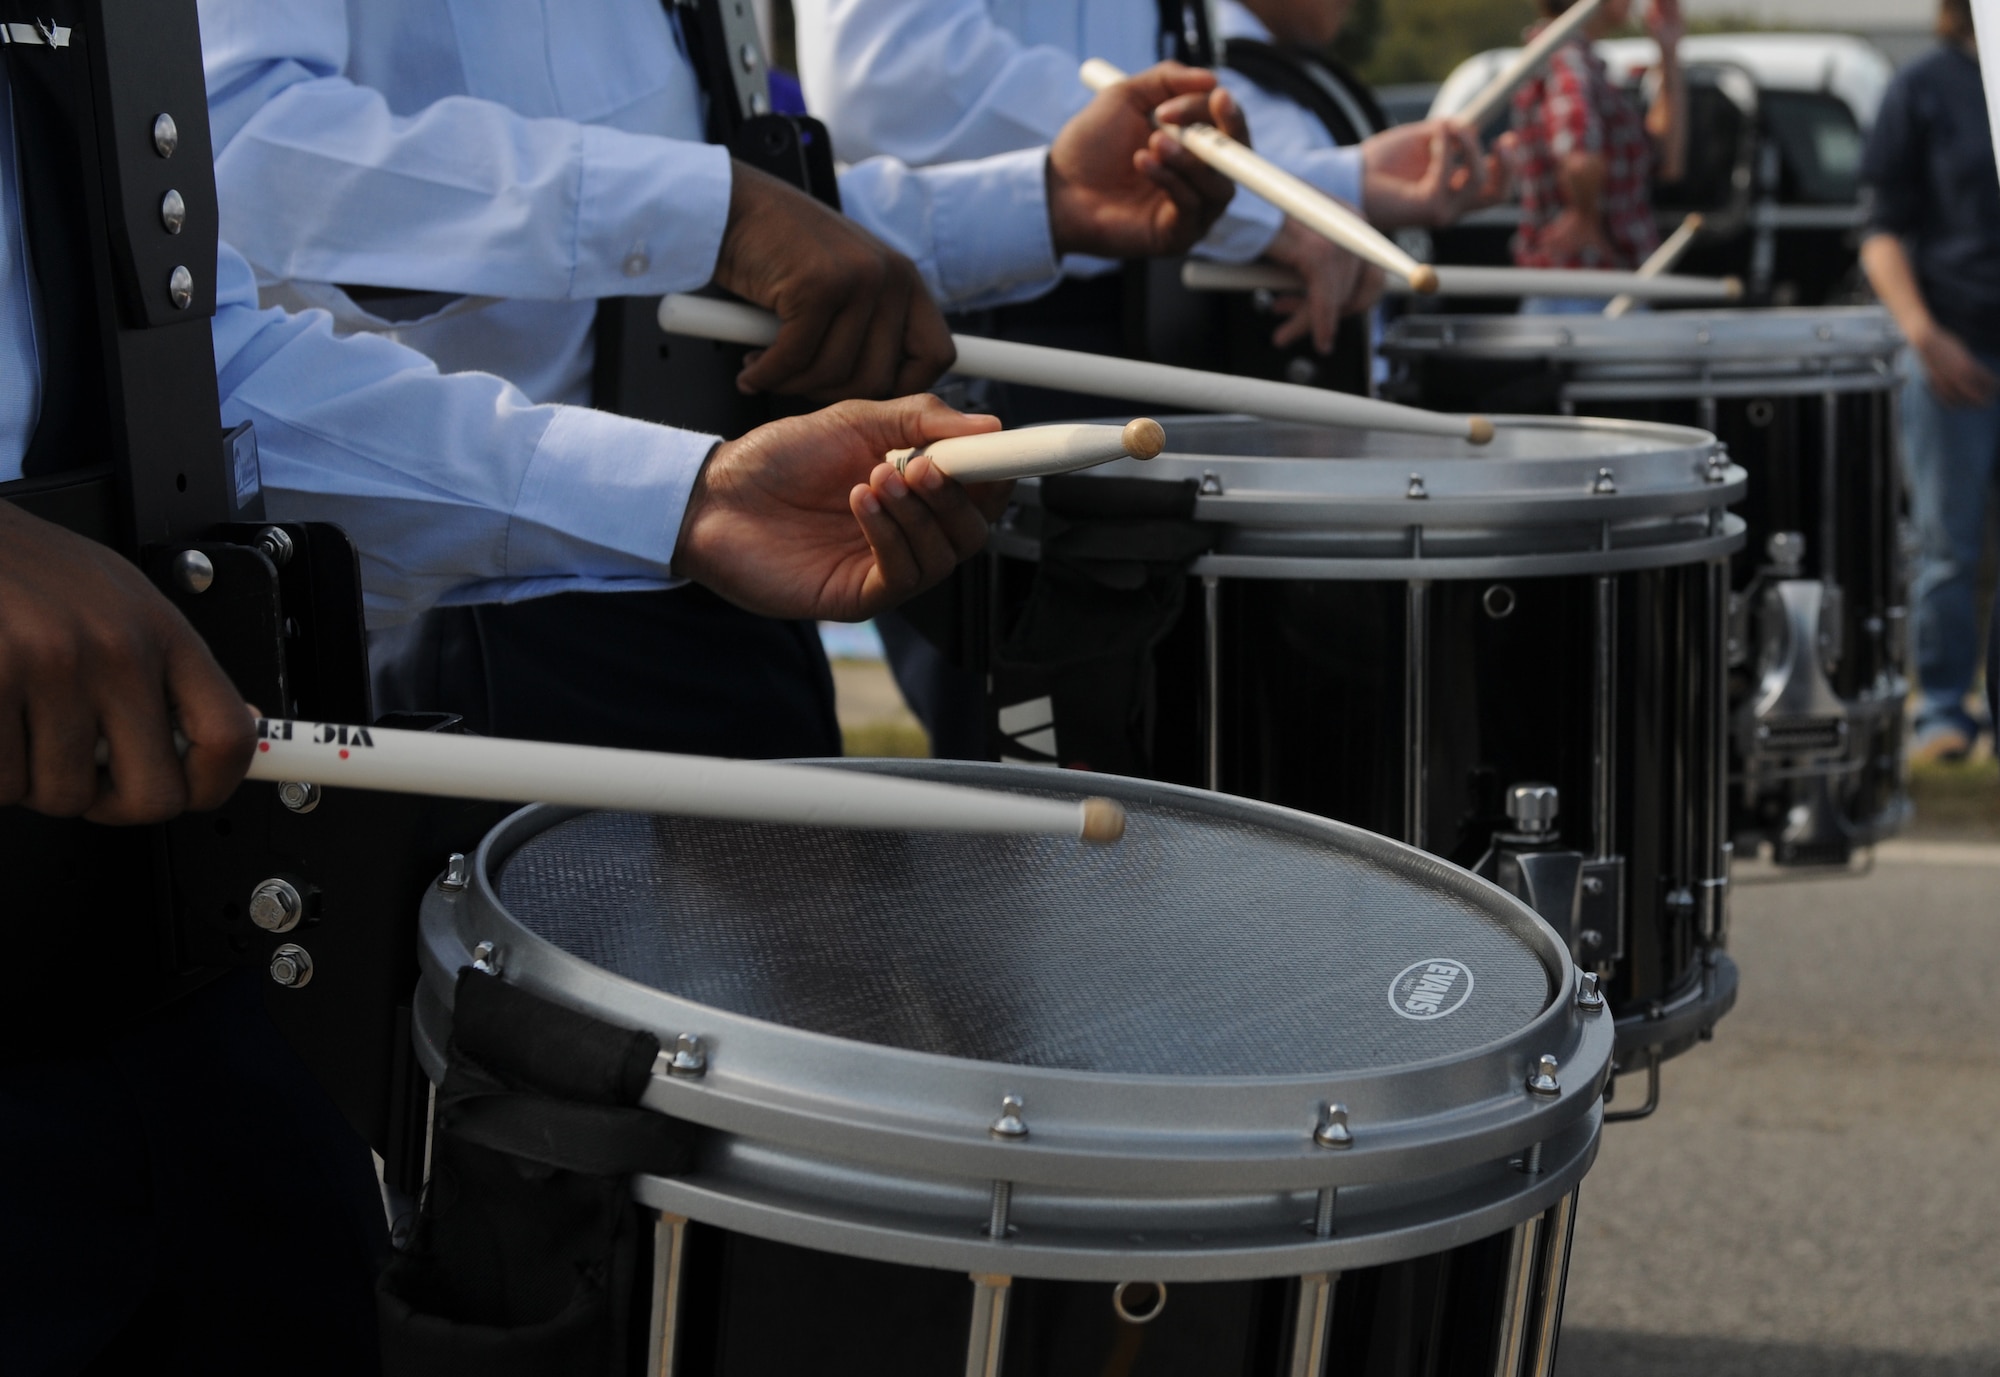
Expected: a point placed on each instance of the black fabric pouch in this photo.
(1073, 677)
(527, 1256)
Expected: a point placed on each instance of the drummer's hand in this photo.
(1428, 173)
(1120, 189)
(1337, 284)
(1666, 25)
(89, 652)
(1955, 374)
(802, 518)
(857, 318)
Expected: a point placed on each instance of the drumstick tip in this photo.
(1424, 279)
(1693, 222)
(1479, 430)
(1103, 820)
(1144, 437)
(1732, 288)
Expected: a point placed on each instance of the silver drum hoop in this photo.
(1774, 343)
(1552, 495)
(850, 1142)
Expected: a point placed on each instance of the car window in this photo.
(1715, 135)
(1819, 145)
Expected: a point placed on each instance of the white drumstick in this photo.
(405, 762)
(1067, 370)
(1200, 276)
(1475, 113)
(1302, 201)
(1036, 451)
(1663, 258)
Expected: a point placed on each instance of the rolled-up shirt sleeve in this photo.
(455, 487)
(1892, 168)
(978, 231)
(939, 81)
(321, 182)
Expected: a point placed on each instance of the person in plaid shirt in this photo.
(1587, 155)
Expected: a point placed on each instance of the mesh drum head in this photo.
(1208, 942)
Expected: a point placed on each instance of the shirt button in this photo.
(636, 264)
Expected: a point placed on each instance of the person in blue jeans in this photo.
(1932, 253)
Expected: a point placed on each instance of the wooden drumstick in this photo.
(1302, 201)
(1475, 113)
(1663, 258)
(1067, 370)
(404, 762)
(1200, 276)
(1036, 451)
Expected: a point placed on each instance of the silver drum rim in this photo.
(1442, 509)
(876, 1150)
(1776, 341)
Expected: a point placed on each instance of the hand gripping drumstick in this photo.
(1036, 450)
(1069, 371)
(1663, 258)
(1475, 113)
(1300, 200)
(406, 762)
(1200, 276)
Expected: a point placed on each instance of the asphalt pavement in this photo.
(1819, 1191)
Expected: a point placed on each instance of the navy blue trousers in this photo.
(184, 1198)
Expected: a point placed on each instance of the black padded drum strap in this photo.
(1184, 33)
(1341, 100)
(130, 377)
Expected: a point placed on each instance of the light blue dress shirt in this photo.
(535, 158)
(928, 81)
(456, 488)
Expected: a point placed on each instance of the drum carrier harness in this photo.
(119, 208)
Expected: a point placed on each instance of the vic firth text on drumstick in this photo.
(335, 755)
(1302, 201)
(1033, 365)
(1036, 451)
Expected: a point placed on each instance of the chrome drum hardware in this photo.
(1246, 1083)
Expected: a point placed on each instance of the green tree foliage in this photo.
(1422, 40)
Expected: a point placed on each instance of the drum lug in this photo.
(689, 1059)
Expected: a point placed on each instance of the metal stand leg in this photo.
(1515, 1309)
(669, 1248)
(1558, 1225)
(986, 1345)
(1313, 1322)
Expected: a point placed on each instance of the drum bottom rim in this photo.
(1686, 1019)
(1503, 1198)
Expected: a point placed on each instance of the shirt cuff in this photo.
(603, 498)
(650, 214)
(991, 223)
(1336, 171)
(1245, 230)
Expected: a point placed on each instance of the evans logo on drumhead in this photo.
(1431, 988)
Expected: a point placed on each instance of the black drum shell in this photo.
(1313, 717)
(1814, 426)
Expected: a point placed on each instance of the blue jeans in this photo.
(1952, 455)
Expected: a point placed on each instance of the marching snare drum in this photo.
(1805, 400)
(1432, 640)
(1248, 1092)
